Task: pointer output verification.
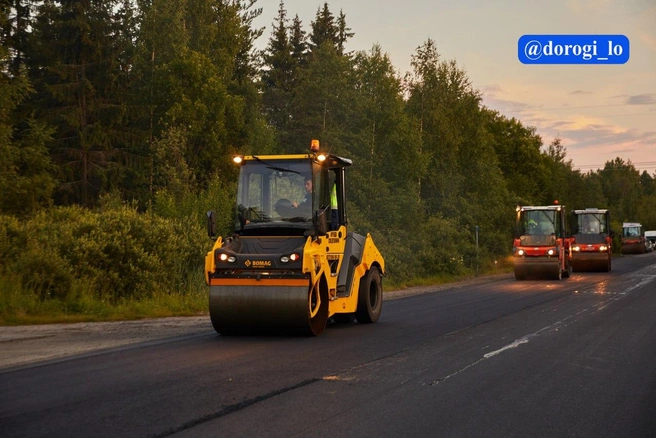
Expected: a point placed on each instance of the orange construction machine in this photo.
(633, 239)
(541, 247)
(591, 240)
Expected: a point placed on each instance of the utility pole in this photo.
(477, 250)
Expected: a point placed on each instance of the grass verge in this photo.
(20, 306)
(501, 267)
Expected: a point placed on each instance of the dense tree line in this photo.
(145, 100)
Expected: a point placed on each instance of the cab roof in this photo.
(333, 161)
(591, 210)
(541, 207)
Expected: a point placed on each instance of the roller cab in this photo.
(591, 240)
(291, 264)
(541, 247)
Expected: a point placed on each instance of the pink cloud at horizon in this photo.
(590, 139)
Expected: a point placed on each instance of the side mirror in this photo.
(211, 224)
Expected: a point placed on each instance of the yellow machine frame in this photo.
(263, 302)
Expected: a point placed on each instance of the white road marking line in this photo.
(515, 344)
(553, 327)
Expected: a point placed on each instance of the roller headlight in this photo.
(603, 248)
(551, 252)
(520, 252)
(292, 257)
(576, 248)
(226, 258)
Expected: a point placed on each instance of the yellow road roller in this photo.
(291, 264)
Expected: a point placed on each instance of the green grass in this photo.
(499, 267)
(20, 306)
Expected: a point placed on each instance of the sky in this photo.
(600, 112)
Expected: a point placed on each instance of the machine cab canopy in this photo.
(285, 194)
(591, 221)
(540, 221)
(631, 229)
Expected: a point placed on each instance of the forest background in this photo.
(118, 119)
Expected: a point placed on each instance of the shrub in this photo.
(117, 253)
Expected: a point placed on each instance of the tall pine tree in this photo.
(75, 66)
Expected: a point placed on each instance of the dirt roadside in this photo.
(23, 346)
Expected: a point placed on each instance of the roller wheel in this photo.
(317, 310)
(222, 329)
(370, 297)
(519, 276)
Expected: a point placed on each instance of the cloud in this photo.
(510, 108)
(640, 8)
(585, 6)
(648, 41)
(491, 90)
(559, 124)
(641, 99)
(533, 120)
(596, 140)
(581, 118)
(591, 142)
(594, 135)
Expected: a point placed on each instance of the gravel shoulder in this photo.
(30, 345)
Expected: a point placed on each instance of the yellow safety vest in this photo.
(333, 198)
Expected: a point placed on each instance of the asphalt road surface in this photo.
(570, 358)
